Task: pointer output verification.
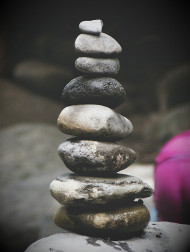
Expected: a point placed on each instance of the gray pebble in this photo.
(101, 90)
(74, 190)
(87, 157)
(97, 65)
(102, 44)
(94, 122)
(91, 27)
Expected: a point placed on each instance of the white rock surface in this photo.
(91, 27)
(103, 44)
(94, 122)
(157, 237)
(97, 65)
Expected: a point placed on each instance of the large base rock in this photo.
(157, 237)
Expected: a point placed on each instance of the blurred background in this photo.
(37, 60)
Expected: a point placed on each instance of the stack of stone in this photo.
(96, 200)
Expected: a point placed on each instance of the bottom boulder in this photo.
(157, 237)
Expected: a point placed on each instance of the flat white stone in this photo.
(72, 189)
(91, 27)
(94, 122)
(102, 44)
(97, 66)
(157, 237)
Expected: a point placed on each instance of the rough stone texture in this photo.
(94, 122)
(101, 45)
(87, 157)
(72, 189)
(28, 162)
(101, 90)
(91, 27)
(157, 237)
(97, 65)
(104, 222)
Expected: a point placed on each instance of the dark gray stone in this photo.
(107, 222)
(97, 45)
(97, 65)
(72, 189)
(94, 122)
(91, 27)
(87, 157)
(157, 237)
(101, 90)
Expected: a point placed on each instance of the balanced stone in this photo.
(102, 90)
(91, 27)
(86, 157)
(102, 44)
(97, 65)
(74, 190)
(100, 222)
(94, 122)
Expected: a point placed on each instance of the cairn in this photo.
(97, 200)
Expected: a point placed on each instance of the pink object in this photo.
(172, 180)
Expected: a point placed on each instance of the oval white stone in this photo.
(94, 122)
(103, 44)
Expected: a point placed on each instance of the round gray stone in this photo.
(91, 27)
(86, 157)
(102, 44)
(72, 189)
(157, 237)
(94, 122)
(97, 65)
(102, 90)
(104, 222)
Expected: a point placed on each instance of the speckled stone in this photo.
(74, 190)
(101, 90)
(91, 27)
(94, 122)
(86, 157)
(97, 65)
(97, 45)
(157, 237)
(103, 222)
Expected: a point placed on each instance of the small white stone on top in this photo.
(91, 27)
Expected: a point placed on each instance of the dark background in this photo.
(37, 60)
